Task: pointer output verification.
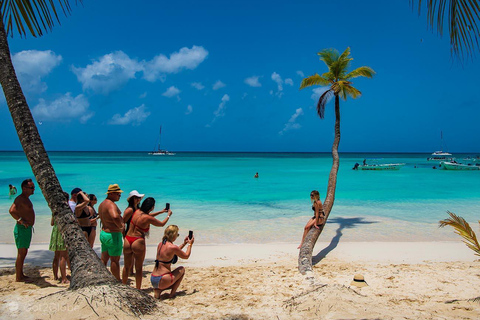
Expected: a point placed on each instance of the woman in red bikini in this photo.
(134, 243)
(163, 278)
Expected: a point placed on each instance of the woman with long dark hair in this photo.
(134, 246)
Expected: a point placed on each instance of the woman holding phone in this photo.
(163, 278)
(319, 216)
(134, 244)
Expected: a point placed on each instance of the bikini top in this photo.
(84, 214)
(136, 226)
(173, 261)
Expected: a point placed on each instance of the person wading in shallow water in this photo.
(22, 211)
(112, 227)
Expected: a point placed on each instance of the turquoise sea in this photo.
(215, 194)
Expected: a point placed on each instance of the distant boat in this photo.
(157, 151)
(375, 165)
(458, 166)
(441, 155)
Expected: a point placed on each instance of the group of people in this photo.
(119, 234)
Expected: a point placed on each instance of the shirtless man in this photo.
(112, 227)
(22, 211)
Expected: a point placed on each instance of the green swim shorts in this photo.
(23, 236)
(112, 242)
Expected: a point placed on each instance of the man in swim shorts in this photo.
(22, 211)
(112, 227)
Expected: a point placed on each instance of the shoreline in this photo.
(238, 254)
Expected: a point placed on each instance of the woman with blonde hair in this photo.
(163, 278)
(319, 216)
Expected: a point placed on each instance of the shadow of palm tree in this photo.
(344, 223)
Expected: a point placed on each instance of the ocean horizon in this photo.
(215, 194)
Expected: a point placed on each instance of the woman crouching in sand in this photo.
(163, 277)
(318, 218)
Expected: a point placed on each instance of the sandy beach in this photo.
(406, 280)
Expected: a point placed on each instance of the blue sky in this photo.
(225, 76)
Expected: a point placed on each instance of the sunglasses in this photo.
(30, 188)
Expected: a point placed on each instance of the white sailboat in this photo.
(157, 151)
(441, 155)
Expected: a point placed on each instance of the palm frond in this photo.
(463, 23)
(36, 16)
(322, 101)
(329, 56)
(351, 91)
(316, 79)
(361, 72)
(477, 299)
(463, 229)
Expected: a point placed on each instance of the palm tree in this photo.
(38, 16)
(463, 23)
(338, 80)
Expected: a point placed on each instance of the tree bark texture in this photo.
(305, 255)
(87, 268)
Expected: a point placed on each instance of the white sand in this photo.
(407, 280)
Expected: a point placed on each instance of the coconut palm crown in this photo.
(337, 77)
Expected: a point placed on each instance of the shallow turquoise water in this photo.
(216, 195)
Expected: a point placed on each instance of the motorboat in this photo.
(376, 165)
(458, 166)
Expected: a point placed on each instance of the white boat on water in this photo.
(376, 165)
(158, 151)
(441, 155)
(458, 166)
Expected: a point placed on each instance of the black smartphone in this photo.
(190, 234)
(167, 206)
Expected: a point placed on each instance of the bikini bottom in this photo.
(155, 280)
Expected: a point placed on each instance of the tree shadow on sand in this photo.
(344, 223)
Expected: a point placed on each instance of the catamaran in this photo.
(441, 155)
(157, 151)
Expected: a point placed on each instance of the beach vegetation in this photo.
(463, 229)
(37, 17)
(338, 84)
(463, 18)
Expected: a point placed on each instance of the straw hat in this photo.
(134, 193)
(114, 188)
(359, 281)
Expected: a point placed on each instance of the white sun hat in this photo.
(134, 193)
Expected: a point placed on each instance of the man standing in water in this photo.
(112, 227)
(22, 211)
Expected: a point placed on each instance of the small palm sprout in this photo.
(463, 229)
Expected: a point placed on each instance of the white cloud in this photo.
(185, 58)
(63, 109)
(219, 84)
(253, 81)
(278, 79)
(317, 92)
(133, 116)
(171, 92)
(189, 109)
(301, 74)
(32, 65)
(289, 81)
(292, 122)
(109, 73)
(198, 85)
(220, 112)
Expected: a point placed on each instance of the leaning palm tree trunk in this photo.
(87, 269)
(89, 275)
(305, 256)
